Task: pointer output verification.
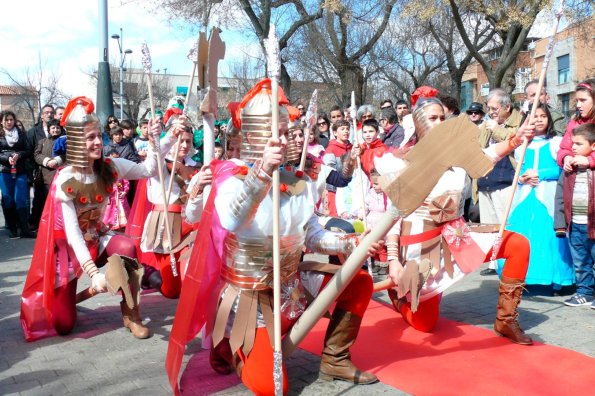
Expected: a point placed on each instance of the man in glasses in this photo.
(476, 113)
(493, 191)
(39, 132)
(385, 104)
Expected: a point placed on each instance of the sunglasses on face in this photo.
(474, 113)
(322, 123)
(385, 107)
(300, 108)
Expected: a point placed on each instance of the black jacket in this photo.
(21, 147)
(122, 150)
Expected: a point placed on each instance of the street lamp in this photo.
(119, 39)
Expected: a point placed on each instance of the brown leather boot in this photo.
(131, 316)
(336, 359)
(506, 324)
(133, 322)
(221, 357)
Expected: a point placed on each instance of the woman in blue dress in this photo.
(550, 263)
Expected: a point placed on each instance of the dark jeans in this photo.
(40, 194)
(582, 250)
(15, 192)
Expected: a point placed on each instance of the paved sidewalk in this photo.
(101, 357)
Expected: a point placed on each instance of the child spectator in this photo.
(585, 113)
(372, 146)
(218, 151)
(375, 207)
(129, 131)
(532, 214)
(314, 147)
(117, 210)
(336, 152)
(141, 143)
(579, 211)
(120, 148)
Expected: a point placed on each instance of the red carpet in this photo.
(459, 359)
(199, 378)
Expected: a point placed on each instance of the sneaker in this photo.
(578, 299)
(488, 272)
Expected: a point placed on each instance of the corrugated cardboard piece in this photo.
(453, 143)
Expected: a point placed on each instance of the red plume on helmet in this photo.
(234, 110)
(294, 113)
(423, 92)
(170, 112)
(87, 103)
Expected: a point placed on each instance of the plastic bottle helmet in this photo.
(78, 119)
(293, 154)
(256, 118)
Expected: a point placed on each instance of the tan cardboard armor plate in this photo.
(453, 143)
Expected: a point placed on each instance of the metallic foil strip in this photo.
(253, 191)
(248, 263)
(333, 243)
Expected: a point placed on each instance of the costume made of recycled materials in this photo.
(437, 231)
(154, 235)
(228, 286)
(72, 238)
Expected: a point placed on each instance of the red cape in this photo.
(198, 298)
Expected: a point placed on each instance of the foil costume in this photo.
(233, 267)
(437, 232)
(72, 238)
(156, 257)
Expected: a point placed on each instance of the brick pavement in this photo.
(100, 357)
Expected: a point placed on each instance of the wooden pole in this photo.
(523, 148)
(147, 66)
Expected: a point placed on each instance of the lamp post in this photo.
(119, 39)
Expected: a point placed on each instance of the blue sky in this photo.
(67, 41)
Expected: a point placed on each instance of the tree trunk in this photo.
(352, 79)
(285, 81)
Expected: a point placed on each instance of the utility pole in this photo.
(120, 39)
(105, 100)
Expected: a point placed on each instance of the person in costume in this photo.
(154, 245)
(236, 245)
(533, 207)
(436, 231)
(72, 238)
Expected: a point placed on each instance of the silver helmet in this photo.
(256, 118)
(76, 121)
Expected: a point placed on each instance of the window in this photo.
(485, 89)
(563, 69)
(521, 77)
(565, 101)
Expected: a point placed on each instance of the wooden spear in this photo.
(147, 65)
(523, 148)
(274, 69)
(311, 117)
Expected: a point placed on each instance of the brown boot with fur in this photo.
(506, 324)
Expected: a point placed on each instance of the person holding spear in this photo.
(237, 221)
(72, 238)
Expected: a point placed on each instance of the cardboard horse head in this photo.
(453, 143)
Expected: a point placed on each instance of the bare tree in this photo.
(136, 93)
(406, 57)
(35, 86)
(288, 15)
(343, 39)
(511, 19)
